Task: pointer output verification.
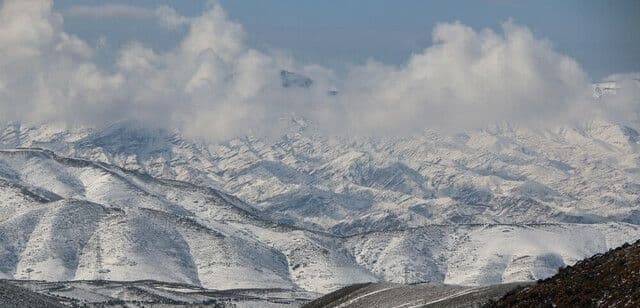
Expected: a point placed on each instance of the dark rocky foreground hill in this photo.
(611, 279)
(12, 296)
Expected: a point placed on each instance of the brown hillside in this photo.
(604, 280)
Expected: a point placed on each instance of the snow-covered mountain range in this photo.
(305, 211)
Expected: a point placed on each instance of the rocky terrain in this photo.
(13, 296)
(611, 279)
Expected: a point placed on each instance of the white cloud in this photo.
(46, 72)
(467, 78)
(212, 85)
(170, 18)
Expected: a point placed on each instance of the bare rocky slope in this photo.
(611, 279)
(13, 296)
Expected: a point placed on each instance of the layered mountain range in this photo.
(310, 212)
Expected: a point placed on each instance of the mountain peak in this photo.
(291, 79)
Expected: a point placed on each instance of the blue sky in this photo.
(602, 36)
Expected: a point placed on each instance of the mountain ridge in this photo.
(310, 212)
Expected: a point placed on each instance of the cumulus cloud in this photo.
(170, 18)
(46, 73)
(213, 85)
(468, 78)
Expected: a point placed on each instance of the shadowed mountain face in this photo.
(611, 279)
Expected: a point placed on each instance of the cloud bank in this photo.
(213, 85)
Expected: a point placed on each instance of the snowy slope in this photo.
(107, 223)
(504, 174)
(310, 212)
(483, 254)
